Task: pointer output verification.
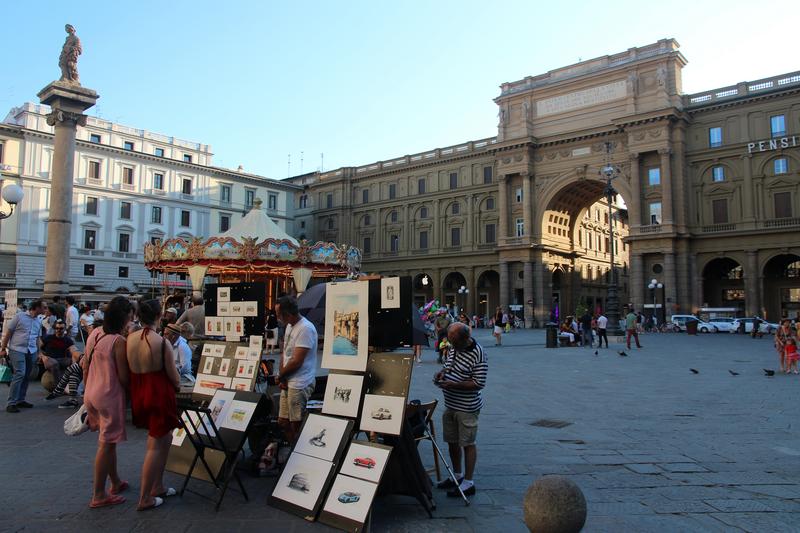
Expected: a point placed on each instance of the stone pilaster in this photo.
(637, 281)
(527, 203)
(527, 291)
(751, 284)
(670, 283)
(502, 204)
(505, 287)
(67, 101)
(667, 213)
(634, 209)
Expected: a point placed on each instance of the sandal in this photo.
(157, 502)
(123, 486)
(106, 502)
(167, 493)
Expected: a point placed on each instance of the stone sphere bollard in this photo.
(48, 381)
(554, 504)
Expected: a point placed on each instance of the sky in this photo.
(358, 81)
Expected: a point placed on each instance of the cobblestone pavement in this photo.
(653, 446)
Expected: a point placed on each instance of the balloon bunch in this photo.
(430, 311)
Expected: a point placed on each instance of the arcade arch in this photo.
(782, 286)
(723, 284)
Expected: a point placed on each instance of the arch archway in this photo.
(488, 293)
(450, 286)
(723, 284)
(782, 286)
(422, 287)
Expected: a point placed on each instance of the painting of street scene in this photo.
(346, 326)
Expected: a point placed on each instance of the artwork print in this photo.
(365, 461)
(350, 498)
(346, 325)
(343, 395)
(240, 384)
(239, 415)
(321, 436)
(223, 309)
(383, 414)
(207, 384)
(303, 481)
(223, 294)
(208, 366)
(224, 366)
(390, 293)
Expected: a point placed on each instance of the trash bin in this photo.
(691, 327)
(552, 335)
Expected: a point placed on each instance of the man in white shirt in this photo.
(602, 324)
(298, 367)
(72, 318)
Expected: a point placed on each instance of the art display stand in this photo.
(206, 436)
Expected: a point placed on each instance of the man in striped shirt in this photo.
(461, 381)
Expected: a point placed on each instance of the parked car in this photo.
(366, 462)
(724, 324)
(702, 327)
(764, 326)
(349, 497)
(382, 414)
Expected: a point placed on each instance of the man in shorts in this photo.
(297, 372)
(461, 381)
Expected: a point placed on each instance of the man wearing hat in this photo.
(183, 353)
(170, 317)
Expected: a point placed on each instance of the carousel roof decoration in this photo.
(254, 245)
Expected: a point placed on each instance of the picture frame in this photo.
(390, 293)
(366, 460)
(302, 485)
(324, 437)
(346, 326)
(343, 395)
(207, 384)
(383, 414)
(223, 294)
(223, 309)
(348, 503)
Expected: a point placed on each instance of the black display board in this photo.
(240, 292)
(390, 328)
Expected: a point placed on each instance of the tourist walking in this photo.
(782, 336)
(154, 382)
(586, 329)
(602, 325)
(461, 380)
(106, 371)
(20, 344)
(497, 331)
(630, 328)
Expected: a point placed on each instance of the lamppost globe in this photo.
(653, 281)
(13, 193)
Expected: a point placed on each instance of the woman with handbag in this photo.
(105, 368)
(154, 382)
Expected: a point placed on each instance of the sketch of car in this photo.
(366, 462)
(317, 441)
(299, 482)
(382, 414)
(349, 497)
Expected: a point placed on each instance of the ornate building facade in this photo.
(707, 205)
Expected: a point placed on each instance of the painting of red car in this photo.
(366, 462)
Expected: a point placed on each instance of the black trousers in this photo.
(601, 334)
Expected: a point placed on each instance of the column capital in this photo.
(70, 118)
(664, 151)
(633, 156)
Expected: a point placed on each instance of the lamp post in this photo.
(609, 172)
(463, 291)
(654, 284)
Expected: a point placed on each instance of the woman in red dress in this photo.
(154, 380)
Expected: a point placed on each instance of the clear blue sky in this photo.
(359, 81)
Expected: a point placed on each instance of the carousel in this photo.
(255, 249)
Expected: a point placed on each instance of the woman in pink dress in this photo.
(106, 371)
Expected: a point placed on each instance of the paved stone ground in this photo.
(653, 447)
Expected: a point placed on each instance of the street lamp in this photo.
(654, 284)
(609, 172)
(12, 194)
(465, 291)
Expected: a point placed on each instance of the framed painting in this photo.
(302, 485)
(323, 436)
(343, 395)
(365, 460)
(383, 414)
(346, 326)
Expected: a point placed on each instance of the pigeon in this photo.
(733, 373)
(694, 371)
(595, 352)
(622, 354)
(768, 372)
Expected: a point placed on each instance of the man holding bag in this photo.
(20, 344)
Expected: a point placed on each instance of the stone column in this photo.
(681, 198)
(635, 209)
(667, 213)
(67, 101)
(637, 281)
(697, 283)
(527, 291)
(502, 203)
(504, 284)
(670, 283)
(751, 284)
(748, 191)
(527, 205)
(542, 296)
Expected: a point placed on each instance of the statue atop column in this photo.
(68, 60)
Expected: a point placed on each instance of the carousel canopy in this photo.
(257, 225)
(256, 246)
